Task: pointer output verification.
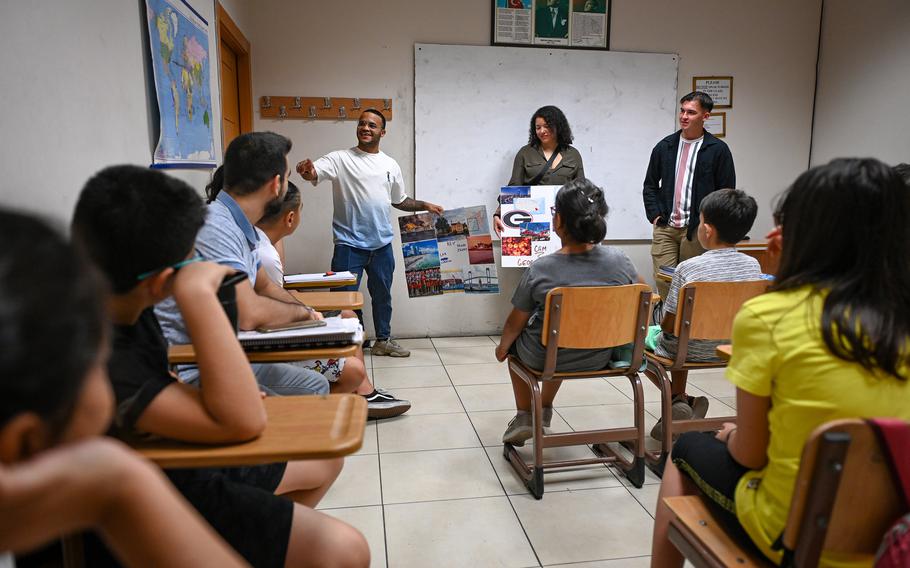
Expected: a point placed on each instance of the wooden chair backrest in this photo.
(867, 498)
(709, 307)
(594, 317)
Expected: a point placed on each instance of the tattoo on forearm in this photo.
(411, 204)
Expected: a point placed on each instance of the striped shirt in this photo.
(685, 174)
(716, 265)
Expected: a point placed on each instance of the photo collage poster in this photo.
(557, 23)
(527, 234)
(450, 253)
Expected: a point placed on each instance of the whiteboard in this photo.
(473, 107)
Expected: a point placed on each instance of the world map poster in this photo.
(179, 42)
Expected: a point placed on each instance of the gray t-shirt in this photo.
(227, 238)
(601, 266)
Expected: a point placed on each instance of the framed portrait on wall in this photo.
(583, 24)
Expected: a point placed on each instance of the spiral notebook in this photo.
(337, 331)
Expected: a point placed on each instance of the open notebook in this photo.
(337, 331)
(318, 277)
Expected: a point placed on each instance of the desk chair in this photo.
(709, 318)
(587, 318)
(844, 500)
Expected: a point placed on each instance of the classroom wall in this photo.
(76, 97)
(863, 82)
(362, 48)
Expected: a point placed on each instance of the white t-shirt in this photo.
(270, 259)
(364, 187)
(686, 156)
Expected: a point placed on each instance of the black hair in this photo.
(731, 212)
(704, 100)
(903, 170)
(252, 159)
(845, 233)
(215, 186)
(582, 207)
(377, 113)
(52, 321)
(555, 119)
(132, 220)
(276, 209)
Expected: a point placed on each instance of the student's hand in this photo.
(306, 169)
(775, 241)
(502, 353)
(204, 277)
(656, 220)
(314, 315)
(724, 433)
(433, 208)
(498, 226)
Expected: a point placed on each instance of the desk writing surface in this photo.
(299, 427)
(183, 354)
(324, 301)
(319, 280)
(724, 351)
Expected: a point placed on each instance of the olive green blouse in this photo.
(529, 161)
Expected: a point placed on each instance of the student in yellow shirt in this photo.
(829, 341)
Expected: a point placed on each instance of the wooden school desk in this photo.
(184, 354)
(298, 427)
(325, 301)
(724, 351)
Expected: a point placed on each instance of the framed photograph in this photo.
(581, 24)
(717, 124)
(720, 88)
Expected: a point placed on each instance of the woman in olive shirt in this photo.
(548, 158)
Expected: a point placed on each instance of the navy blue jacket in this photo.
(713, 170)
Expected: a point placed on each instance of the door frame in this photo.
(229, 33)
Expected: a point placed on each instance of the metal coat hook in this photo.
(342, 113)
(296, 103)
(327, 102)
(266, 102)
(282, 111)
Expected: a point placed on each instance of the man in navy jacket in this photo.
(685, 167)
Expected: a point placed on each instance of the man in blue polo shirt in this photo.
(255, 175)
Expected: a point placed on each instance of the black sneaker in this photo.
(382, 404)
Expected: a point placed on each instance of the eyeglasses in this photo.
(176, 266)
(552, 210)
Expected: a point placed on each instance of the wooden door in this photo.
(230, 99)
(236, 85)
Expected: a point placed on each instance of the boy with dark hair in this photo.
(139, 225)
(255, 178)
(725, 217)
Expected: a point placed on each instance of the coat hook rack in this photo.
(321, 108)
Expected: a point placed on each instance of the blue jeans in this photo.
(379, 265)
(282, 379)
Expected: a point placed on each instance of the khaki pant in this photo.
(669, 247)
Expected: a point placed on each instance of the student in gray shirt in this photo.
(579, 220)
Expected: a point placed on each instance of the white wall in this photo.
(864, 82)
(362, 48)
(75, 98)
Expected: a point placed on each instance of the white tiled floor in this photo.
(431, 488)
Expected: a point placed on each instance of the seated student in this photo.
(139, 226)
(256, 174)
(344, 374)
(725, 217)
(829, 341)
(579, 220)
(56, 477)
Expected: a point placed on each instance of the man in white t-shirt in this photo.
(685, 167)
(366, 183)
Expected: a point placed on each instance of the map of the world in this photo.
(179, 42)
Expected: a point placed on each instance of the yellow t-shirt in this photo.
(779, 353)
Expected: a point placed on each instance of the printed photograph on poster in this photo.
(451, 225)
(421, 255)
(452, 281)
(551, 22)
(512, 22)
(508, 194)
(481, 279)
(590, 23)
(480, 249)
(419, 227)
(528, 234)
(476, 218)
(423, 282)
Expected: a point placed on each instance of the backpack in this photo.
(894, 551)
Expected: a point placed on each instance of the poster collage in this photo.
(526, 217)
(450, 253)
(564, 23)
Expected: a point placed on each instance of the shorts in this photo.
(329, 368)
(707, 462)
(241, 505)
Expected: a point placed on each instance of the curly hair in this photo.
(555, 119)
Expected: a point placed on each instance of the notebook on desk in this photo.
(336, 331)
(342, 276)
